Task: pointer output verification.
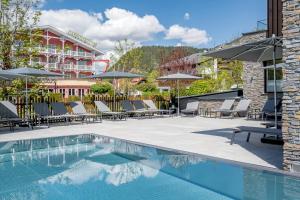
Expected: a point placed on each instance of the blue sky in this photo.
(172, 22)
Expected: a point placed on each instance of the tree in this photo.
(17, 34)
(102, 88)
(202, 87)
(126, 55)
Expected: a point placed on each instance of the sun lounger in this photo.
(225, 108)
(192, 108)
(256, 130)
(152, 106)
(267, 111)
(9, 116)
(242, 107)
(105, 111)
(43, 113)
(140, 106)
(59, 109)
(79, 109)
(130, 110)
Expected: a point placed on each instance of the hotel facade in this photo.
(66, 53)
(70, 54)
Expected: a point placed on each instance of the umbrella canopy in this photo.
(177, 77)
(254, 52)
(5, 75)
(116, 75)
(263, 50)
(34, 72)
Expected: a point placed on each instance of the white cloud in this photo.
(189, 36)
(105, 28)
(186, 16)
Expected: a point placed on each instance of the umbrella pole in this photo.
(26, 99)
(114, 106)
(275, 87)
(178, 111)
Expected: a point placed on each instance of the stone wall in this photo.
(253, 76)
(291, 98)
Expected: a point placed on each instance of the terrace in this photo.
(206, 136)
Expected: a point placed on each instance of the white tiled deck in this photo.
(205, 136)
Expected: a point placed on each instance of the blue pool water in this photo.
(91, 167)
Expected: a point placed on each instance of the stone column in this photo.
(291, 98)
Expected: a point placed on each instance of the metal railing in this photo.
(262, 25)
(84, 67)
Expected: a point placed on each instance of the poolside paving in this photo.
(206, 136)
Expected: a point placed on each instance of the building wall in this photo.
(253, 73)
(64, 62)
(253, 77)
(291, 99)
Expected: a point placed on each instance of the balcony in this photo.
(38, 63)
(84, 68)
(67, 53)
(82, 54)
(67, 67)
(53, 66)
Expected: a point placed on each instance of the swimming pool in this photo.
(94, 167)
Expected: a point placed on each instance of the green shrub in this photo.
(147, 87)
(57, 97)
(73, 98)
(201, 87)
(102, 88)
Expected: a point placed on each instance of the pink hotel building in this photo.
(67, 53)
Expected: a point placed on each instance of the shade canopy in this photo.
(116, 75)
(34, 72)
(178, 76)
(254, 52)
(6, 75)
(263, 50)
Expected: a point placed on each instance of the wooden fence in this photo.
(114, 105)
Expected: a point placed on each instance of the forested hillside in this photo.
(145, 59)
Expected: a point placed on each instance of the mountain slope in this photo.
(145, 59)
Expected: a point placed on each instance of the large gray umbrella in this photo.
(177, 77)
(27, 71)
(5, 75)
(115, 75)
(263, 50)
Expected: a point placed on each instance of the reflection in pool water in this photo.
(93, 167)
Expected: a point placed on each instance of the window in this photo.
(269, 78)
(80, 92)
(53, 60)
(67, 76)
(83, 75)
(82, 62)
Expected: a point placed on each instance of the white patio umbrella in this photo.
(263, 50)
(177, 77)
(27, 71)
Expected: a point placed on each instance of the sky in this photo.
(197, 23)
